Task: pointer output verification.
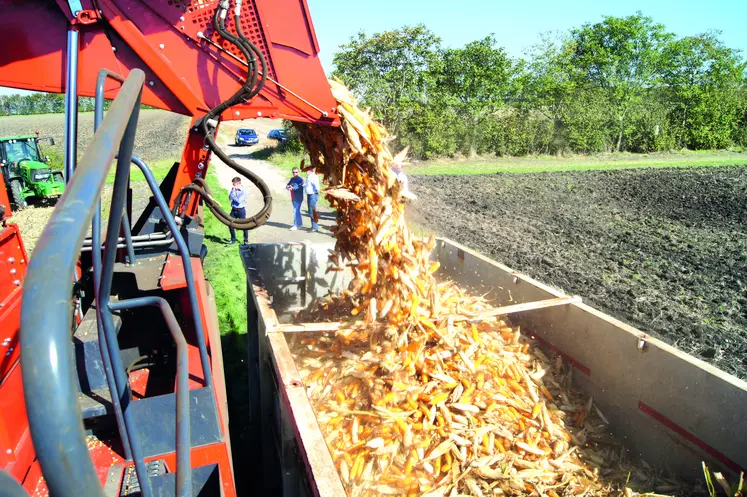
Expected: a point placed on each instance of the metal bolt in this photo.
(114, 49)
(198, 175)
(151, 83)
(11, 259)
(17, 282)
(200, 166)
(200, 34)
(13, 271)
(161, 46)
(259, 114)
(194, 129)
(205, 147)
(9, 452)
(181, 18)
(23, 261)
(237, 113)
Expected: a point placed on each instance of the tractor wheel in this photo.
(16, 194)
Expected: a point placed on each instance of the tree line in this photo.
(622, 84)
(41, 103)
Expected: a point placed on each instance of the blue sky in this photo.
(516, 24)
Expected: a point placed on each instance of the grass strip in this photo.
(541, 165)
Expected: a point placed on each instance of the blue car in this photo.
(277, 134)
(246, 136)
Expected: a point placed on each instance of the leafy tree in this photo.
(623, 57)
(705, 83)
(390, 71)
(474, 81)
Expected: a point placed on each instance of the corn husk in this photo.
(412, 397)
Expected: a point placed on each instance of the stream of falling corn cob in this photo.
(424, 391)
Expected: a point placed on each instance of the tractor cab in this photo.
(26, 172)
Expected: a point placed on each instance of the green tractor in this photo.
(26, 171)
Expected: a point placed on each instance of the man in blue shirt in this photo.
(311, 186)
(295, 186)
(238, 197)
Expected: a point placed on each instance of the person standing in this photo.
(295, 186)
(238, 197)
(312, 188)
(401, 177)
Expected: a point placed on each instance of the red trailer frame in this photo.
(188, 69)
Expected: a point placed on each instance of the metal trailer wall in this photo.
(669, 407)
(664, 405)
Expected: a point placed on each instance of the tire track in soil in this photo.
(661, 249)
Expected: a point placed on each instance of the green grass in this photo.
(549, 164)
(225, 272)
(224, 269)
(160, 169)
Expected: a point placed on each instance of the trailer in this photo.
(666, 407)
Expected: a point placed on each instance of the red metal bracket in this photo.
(87, 17)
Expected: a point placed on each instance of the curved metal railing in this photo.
(46, 352)
(46, 315)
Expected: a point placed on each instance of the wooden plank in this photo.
(527, 306)
(282, 361)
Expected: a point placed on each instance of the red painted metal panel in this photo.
(184, 73)
(12, 272)
(173, 273)
(10, 322)
(16, 449)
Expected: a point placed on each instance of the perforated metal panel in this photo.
(198, 17)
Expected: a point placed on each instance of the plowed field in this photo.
(664, 250)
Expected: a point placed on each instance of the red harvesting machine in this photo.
(111, 373)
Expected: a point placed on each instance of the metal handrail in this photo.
(103, 272)
(98, 117)
(49, 384)
(186, 262)
(183, 442)
(9, 487)
(103, 295)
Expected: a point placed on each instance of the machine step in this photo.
(95, 403)
(89, 364)
(205, 483)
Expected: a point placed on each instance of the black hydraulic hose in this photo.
(255, 50)
(247, 91)
(200, 187)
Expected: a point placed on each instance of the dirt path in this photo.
(277, 229)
